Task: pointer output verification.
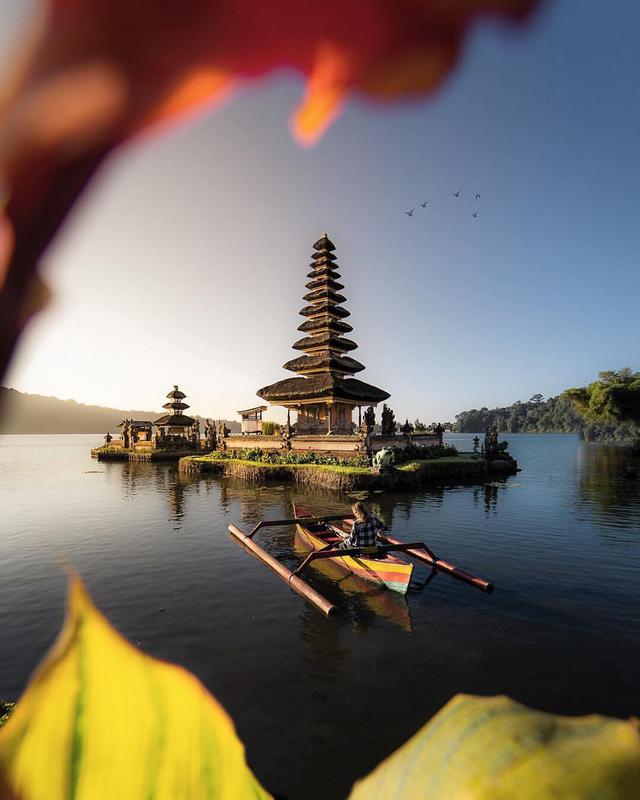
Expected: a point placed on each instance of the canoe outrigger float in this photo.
(375, 564)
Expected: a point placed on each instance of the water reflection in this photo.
(362, 600)
(138, 477)
(561, 632)
(393, 508)
(607, 485)
(488, 493)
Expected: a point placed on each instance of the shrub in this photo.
(269, 428)
(416, 452)
(292, 457)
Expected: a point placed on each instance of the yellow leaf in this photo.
(492, 748)
(100, 719)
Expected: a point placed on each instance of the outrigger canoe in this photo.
(384, 569)
(376, 565)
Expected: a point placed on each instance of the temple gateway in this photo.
(324, 394)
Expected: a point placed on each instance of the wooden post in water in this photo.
(296, 583)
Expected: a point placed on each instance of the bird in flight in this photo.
(424, 205)
(410, 213)
(457, 194)
(475, 214)
(477, 197)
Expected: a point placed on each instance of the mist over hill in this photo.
(35, 413)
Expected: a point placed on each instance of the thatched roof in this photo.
(139, 424)
(324, 308)
(324, 243)
(325, 340)
(324, 361)
(324, 271)
(326, 260)
(326, 323)
(177, 405)
(320, 283)
(324, 293)
(175, 421)
(252, 410)
(176, 394)
(322, 387)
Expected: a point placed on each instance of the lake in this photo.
(318, 702)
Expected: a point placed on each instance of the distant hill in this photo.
(35, 413)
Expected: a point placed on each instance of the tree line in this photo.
(606, 410)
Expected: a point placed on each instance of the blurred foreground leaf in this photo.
(492, 748)
(100, 719)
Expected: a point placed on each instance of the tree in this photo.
(388, 421)
(407, 427)
(370, 418)
(536, 398)
(614, 397)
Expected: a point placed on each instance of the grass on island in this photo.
(409, 466)
(418, 463)
(350, 470)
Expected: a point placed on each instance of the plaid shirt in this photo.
(364, 534)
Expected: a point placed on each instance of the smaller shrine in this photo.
(169, 437)
(176, 424)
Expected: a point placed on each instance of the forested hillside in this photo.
(34, 413)
(554, 415)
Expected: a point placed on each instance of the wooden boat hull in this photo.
(387, 571)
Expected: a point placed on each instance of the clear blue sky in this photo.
(187, 261)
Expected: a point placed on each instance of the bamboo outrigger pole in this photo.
(296, 583)
(430, 558)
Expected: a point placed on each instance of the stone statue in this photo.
(134, 434)
(210, 435)
(491, 441)
(125, 434)
(384, 459)
(107, 438)
(439, 432)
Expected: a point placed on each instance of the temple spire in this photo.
(325, 365)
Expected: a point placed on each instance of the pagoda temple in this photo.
(175, 423)
(324, 394)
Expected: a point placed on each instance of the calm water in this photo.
(561, 541)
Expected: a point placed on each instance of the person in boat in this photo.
(365, 529)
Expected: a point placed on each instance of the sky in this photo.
(186, 261)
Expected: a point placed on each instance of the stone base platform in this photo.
(120, 454)
(447, 471)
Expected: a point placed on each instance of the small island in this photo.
(323, 445)
(169, 438)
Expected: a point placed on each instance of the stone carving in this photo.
(491, 441)
(125, 434)
(384, 459)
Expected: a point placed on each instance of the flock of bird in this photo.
(455, 194)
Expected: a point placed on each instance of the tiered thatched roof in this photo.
(325, 366)
(175, 418)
